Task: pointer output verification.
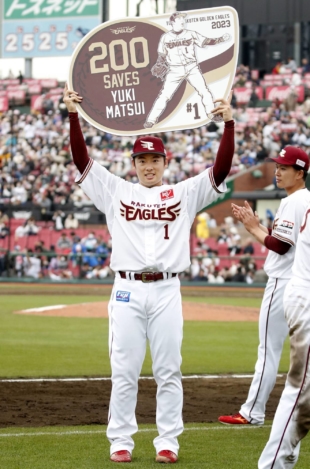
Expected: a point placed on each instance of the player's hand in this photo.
(70, 98)
(249, 218)
(241, 212)
(226, 37)
(223, 109)
(236, 211)
(247, 207)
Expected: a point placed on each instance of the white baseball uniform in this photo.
(292, 418)
(150, 229)
(179, 52)
(272, 324)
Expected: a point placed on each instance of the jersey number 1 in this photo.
(166, 232)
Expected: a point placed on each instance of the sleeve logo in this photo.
(300, 163)
(287, 224)
(168, 194)
(123, 296)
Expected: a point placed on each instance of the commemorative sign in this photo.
(147, 75)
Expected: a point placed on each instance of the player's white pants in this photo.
(154, 313)
(272, 333)
(292, 418)
(173, 79)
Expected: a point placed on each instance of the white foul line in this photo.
(143, 430)
(54, 380)
(42, 309)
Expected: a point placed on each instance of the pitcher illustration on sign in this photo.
(177, 61)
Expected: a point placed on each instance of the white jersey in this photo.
(179, 49)
(301, 265)
(150, 227)
(286, 228)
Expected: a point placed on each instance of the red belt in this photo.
(146, 277)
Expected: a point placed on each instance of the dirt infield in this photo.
(191, 311)
(36, 404)
(84, 403)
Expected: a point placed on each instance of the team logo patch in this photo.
(287, 224)
(124, 29)
(169, 194)
(282, 153)
(148, 145)
(300, 163)
(123, 296)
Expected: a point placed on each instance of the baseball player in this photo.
(292, 418)
(292, 166)
(176, 62)
(150, 228)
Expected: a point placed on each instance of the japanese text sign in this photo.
(46, 28)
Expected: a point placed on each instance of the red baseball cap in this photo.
(292, 156)
(148, 144)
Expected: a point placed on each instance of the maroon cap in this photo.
(293, 156)
(148, 144)
(177, 14)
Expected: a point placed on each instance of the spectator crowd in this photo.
(71, 257)
(36, 167)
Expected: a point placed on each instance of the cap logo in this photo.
(282, 153)
(300, 163)
(148, 145)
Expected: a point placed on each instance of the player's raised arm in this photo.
(226, 149)
(78, 146)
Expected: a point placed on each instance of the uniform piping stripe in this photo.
(293, 410)
(86, 171)
(262, 375)
(211, 176)
(110, 355)
(281, 238)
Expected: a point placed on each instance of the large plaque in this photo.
(147, 75)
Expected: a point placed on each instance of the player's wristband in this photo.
(230, 124)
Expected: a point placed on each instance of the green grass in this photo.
(52, 346)
(201, 446)
(37, 346)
